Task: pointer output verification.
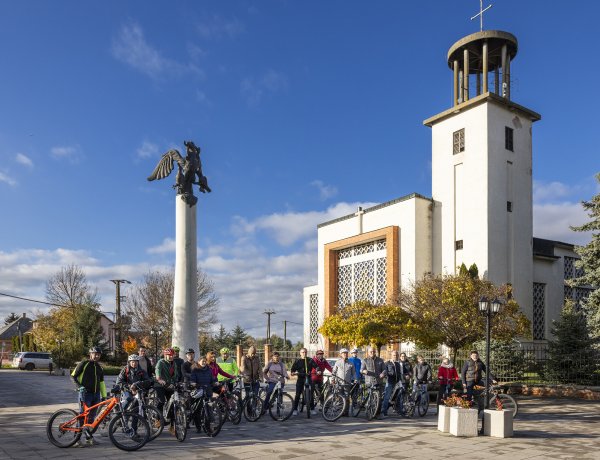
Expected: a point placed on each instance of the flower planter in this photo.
(498, 423)
(463, 422)
(443, 418)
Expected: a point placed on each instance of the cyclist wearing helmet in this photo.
(178, 362)
(215, 368)
(133, 377)
(228, 364)
(89, 378)
(167, 375)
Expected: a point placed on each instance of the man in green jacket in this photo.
(227, 364)
(167, 375)
(89, 378)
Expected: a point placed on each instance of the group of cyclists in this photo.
(211, 372)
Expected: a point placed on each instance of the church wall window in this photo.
(458, 142)
(570, 270)
(508, 138)
(314, 318)
(458, 244)
(509, 206)
(539, 310)
(362, 273)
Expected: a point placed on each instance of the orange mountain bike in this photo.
(126, 430)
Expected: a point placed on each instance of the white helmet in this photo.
(354, 350)
(133, 358)
(343, 350)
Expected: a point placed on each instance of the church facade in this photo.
(480, 210)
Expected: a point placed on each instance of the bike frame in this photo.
(110, 405)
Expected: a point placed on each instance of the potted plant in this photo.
(463, 418)
(444, 412)
(497, 421)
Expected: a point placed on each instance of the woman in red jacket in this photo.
(211, 357)
(447, 375)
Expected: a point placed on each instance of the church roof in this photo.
(10, 330)
(376, 207)
(545, 248)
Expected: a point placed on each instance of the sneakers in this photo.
(172, 429)
(313, 412)
(156, 424)
(87, 442)
(92, 442)
(295, 412)
(81, 443)
(136, 438)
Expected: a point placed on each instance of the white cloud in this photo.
(550, 191)
(288, 228)
(167, 246)
(70, 153)
(218, 28)
(552, 221)
(325, 191)
(147, 150)
(24, 160)
(130, 47)
(4, 177)
(254, 89)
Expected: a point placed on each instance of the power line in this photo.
(42, 302)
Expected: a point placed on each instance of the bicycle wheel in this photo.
(58, 428)
(180, 422)
(234, 409)
(253, 408)
(423, 405)
(508, 403)
(152, 398)
(281, 407)
(334, 406)
(372, 405)
(128, 431)
(212, 420)
(408, 405)
(155, 420)
(357, 401)
(307, 400)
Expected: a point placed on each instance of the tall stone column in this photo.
(185, 309)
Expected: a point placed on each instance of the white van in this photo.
(31, 360)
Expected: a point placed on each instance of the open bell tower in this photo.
(481, 168)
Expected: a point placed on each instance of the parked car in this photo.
(31, 360)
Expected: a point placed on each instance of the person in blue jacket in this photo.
(355, 360)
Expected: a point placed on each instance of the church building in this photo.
(479, 211)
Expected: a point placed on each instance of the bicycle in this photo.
(420, 396)
(495, 395)
(339, 399)
(320, 392)
(307, 394)
(280, 404)
(229, 404)
(176, 405)
(252, 404)
(148, 411)
(126, 430)
(403, 404)
(206, 416)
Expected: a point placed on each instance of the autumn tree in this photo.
(444, 310)
(363, 323)
(590, 263)
(74, 321)
(130, 345)
(150, 304)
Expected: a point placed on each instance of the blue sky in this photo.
(303, 110)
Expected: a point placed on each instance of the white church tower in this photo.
(481, 168)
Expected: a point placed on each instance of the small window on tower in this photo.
(508, 138)
(459, 244)
(458, 141)
(509, 206)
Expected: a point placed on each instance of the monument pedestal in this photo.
(185, 305)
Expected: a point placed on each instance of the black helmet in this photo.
(189, 351)
(95, 350)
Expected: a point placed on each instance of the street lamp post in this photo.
(155, 333)
(488, 308)
(118, 325)
(60, 342)
(269, 313)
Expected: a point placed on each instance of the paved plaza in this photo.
(544, 429)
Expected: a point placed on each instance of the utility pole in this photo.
(269, 313)
(118, 331)
(284, 334)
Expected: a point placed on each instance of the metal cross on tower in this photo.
(480, 14)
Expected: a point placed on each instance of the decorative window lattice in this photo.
(344, 253)
(381, 280)
(364, 275)
(571, 271)
(344, 285)
(362, 279)
(581, 294)
(508, 138)
(314, 318)
(458, 141)
(539, 307)
(568, 291)
(364, 249)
